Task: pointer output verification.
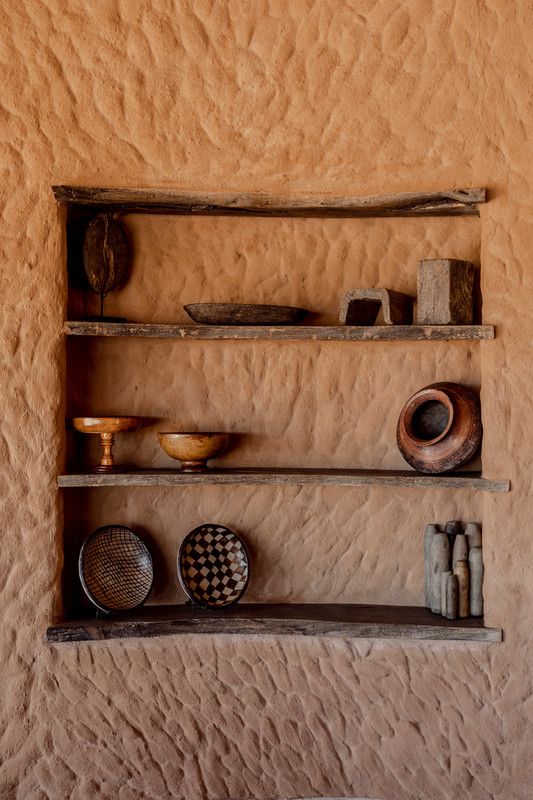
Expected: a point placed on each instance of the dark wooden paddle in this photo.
(106, 256)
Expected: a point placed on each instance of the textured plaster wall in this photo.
(290, 96)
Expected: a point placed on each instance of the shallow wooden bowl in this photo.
(106, 424)
(242, 314)
(193, 449)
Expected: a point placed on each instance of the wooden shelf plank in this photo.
(339, 620)
(284, 332)
(452, 202)
(284, 477)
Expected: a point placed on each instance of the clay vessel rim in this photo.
(424, 396)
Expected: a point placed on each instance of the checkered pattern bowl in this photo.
(213, 566)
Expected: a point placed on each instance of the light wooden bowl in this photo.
(106, 424)
(193, 449)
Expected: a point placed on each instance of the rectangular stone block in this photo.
(445, 292)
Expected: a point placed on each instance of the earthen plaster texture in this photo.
(293, 96)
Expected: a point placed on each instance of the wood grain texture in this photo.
(445, 292)
(462, 573)
(452, 597)
(439, 555)
(289, 333)
(286, 477)
(476, 569)
(341, 620)
(452, 202)
(106, 255)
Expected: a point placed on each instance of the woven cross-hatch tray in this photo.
(115, 568)
(213, 566)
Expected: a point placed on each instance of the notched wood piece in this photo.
(339, 620)
(322, 333)
(362, 306)
(451, 202)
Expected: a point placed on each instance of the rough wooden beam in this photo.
(167, 201)
(283, 332)
(284, 477)
(340, 620)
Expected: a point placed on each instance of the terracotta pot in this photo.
(440, 427)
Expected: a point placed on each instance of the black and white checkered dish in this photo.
(213, 566)
(116, 569)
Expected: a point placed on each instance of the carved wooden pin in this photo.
(443, 590)
(440, 562)
(462, 573)
(431, 529)
(460, 549)
(473, 532)
(452, 597)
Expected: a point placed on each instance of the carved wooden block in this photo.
(361, 307)
(445, 292)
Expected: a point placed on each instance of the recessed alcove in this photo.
(307, 262)
(323, 534)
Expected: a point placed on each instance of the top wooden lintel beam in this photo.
(454, 202)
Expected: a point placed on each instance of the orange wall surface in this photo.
(331, 97)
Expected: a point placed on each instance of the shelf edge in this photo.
(282, 333)
(410, 624)
(281, 477)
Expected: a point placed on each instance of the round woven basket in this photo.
(116, 569)
(213, 566)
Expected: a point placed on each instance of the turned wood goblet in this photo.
(106, 427)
